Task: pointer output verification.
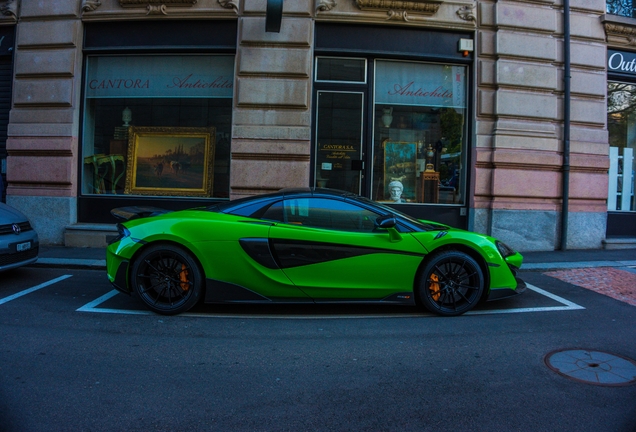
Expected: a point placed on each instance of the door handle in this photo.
(357, 165)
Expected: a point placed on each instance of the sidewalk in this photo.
(95, 258)
(60, 256)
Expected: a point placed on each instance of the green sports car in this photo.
(305, 246)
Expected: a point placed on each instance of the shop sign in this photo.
(400, 83)
(160, 77)
(336, 155)
(621, 62)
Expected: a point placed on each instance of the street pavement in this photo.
(72, 360)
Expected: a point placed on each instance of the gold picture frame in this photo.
(176, 161)
(400, 165)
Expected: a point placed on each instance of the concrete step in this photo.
(619, 243)
(89, 235)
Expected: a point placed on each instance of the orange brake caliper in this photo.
(183, 276)
(434, 287)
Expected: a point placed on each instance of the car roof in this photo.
(316, 191)
(264, 199)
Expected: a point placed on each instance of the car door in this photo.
(332, 250)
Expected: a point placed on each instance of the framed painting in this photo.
(400, 171)
(176, 161)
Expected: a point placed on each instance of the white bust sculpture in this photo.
(395, 190)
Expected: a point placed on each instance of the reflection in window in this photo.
(323, 213)
(167, 97)
(339, 140)
(620, 7)
(419, 133)
(338, 69)
(621, 123)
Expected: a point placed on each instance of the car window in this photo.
(322, 213)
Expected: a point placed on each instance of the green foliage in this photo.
(452, 125)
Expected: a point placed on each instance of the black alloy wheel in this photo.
(167, 279)
(452, 283)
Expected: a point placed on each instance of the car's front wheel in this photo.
(167, 279)
(452, 283)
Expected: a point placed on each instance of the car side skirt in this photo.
(217, 291)
(406, 298)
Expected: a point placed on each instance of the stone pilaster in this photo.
(271, 123)
(44, 120)
(520, 106)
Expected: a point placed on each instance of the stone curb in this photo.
(70, 263)
(575, 264)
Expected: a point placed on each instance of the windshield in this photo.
(419, 224)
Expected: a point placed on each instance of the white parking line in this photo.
(35, 288)
(92, 306)
(566, 305)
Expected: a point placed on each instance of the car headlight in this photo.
(504, 249)
(122, 232)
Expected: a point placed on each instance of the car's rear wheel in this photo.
(452, 283)
(167, 279)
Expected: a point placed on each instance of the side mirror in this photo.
(388, 222)
(385, 222)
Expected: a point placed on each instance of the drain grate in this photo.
(593, 367)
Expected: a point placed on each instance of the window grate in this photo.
(623, 8)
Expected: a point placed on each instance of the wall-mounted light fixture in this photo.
(466, 46)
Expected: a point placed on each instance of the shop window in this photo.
(419, 151)
(623, 8)
(343, 70)
(157, 125)
(621, 123)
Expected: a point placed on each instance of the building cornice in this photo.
(158, 3)
(457, 14)
(401, 8)
(619, 31)
(9, 10)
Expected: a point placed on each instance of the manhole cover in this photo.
(592, 367)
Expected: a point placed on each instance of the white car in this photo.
(19, 243)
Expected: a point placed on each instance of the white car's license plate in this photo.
(21, 247)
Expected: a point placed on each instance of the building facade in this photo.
(454, 111)
(620, 27)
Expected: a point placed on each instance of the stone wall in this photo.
(519, 128)
(271, 120)
(43, 131)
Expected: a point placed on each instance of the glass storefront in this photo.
(157, 125)
(414, 148)
(621, 124)
(418, 142)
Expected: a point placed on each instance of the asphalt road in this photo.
(74, 359)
